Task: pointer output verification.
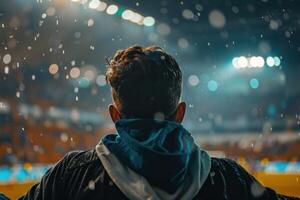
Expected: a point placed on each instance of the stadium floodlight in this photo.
(242, 62)
(94, 4)
(149, 21)
(127, 14)
(260, 61)
(270, 61)
(235, 62)
(253, 61)
(112, 9)
(136, 18)
(276, 61)
(102, 6)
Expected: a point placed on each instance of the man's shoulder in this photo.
(226, 178)
(229, 169)
(224, 164)
(227, 172)
(80, 159)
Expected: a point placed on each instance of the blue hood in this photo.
(160, 151)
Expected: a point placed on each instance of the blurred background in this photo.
(241, 65)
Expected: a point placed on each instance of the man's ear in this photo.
(180, 112)
(114, 113)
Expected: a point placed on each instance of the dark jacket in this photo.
(80, 175)
(147, 159)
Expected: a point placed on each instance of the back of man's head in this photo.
(144, 81)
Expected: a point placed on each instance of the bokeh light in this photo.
(53, 69)
(183, 43)
(164, 29)
(254, 83)
(242, 62)
(127, 14)
(149, 21)
(254, 62)
(277, 61)
(90, 75)
(137, 18)
(83, 82)
(94, 4)
(101, 80)
(75, 72)
(50, 11)
(217, 19)
(193, 80)
(260, 61)
(187, 14)
(270, 61)
(112, 9)
(90, 22)
(102, 6)
(6, 70)
(6, 59)
(235, 62)
(212, 85)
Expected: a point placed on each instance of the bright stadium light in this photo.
(136, 18)
(235, 62)
(277, 61)
(242, 62)
(94, 4)
(127, 14)
(102, 6)
(149, 21)
(112, 9)
(270, 61)
(133, 17)
(253, 61)
(260, 61)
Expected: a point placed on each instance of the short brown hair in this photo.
(144, 81)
